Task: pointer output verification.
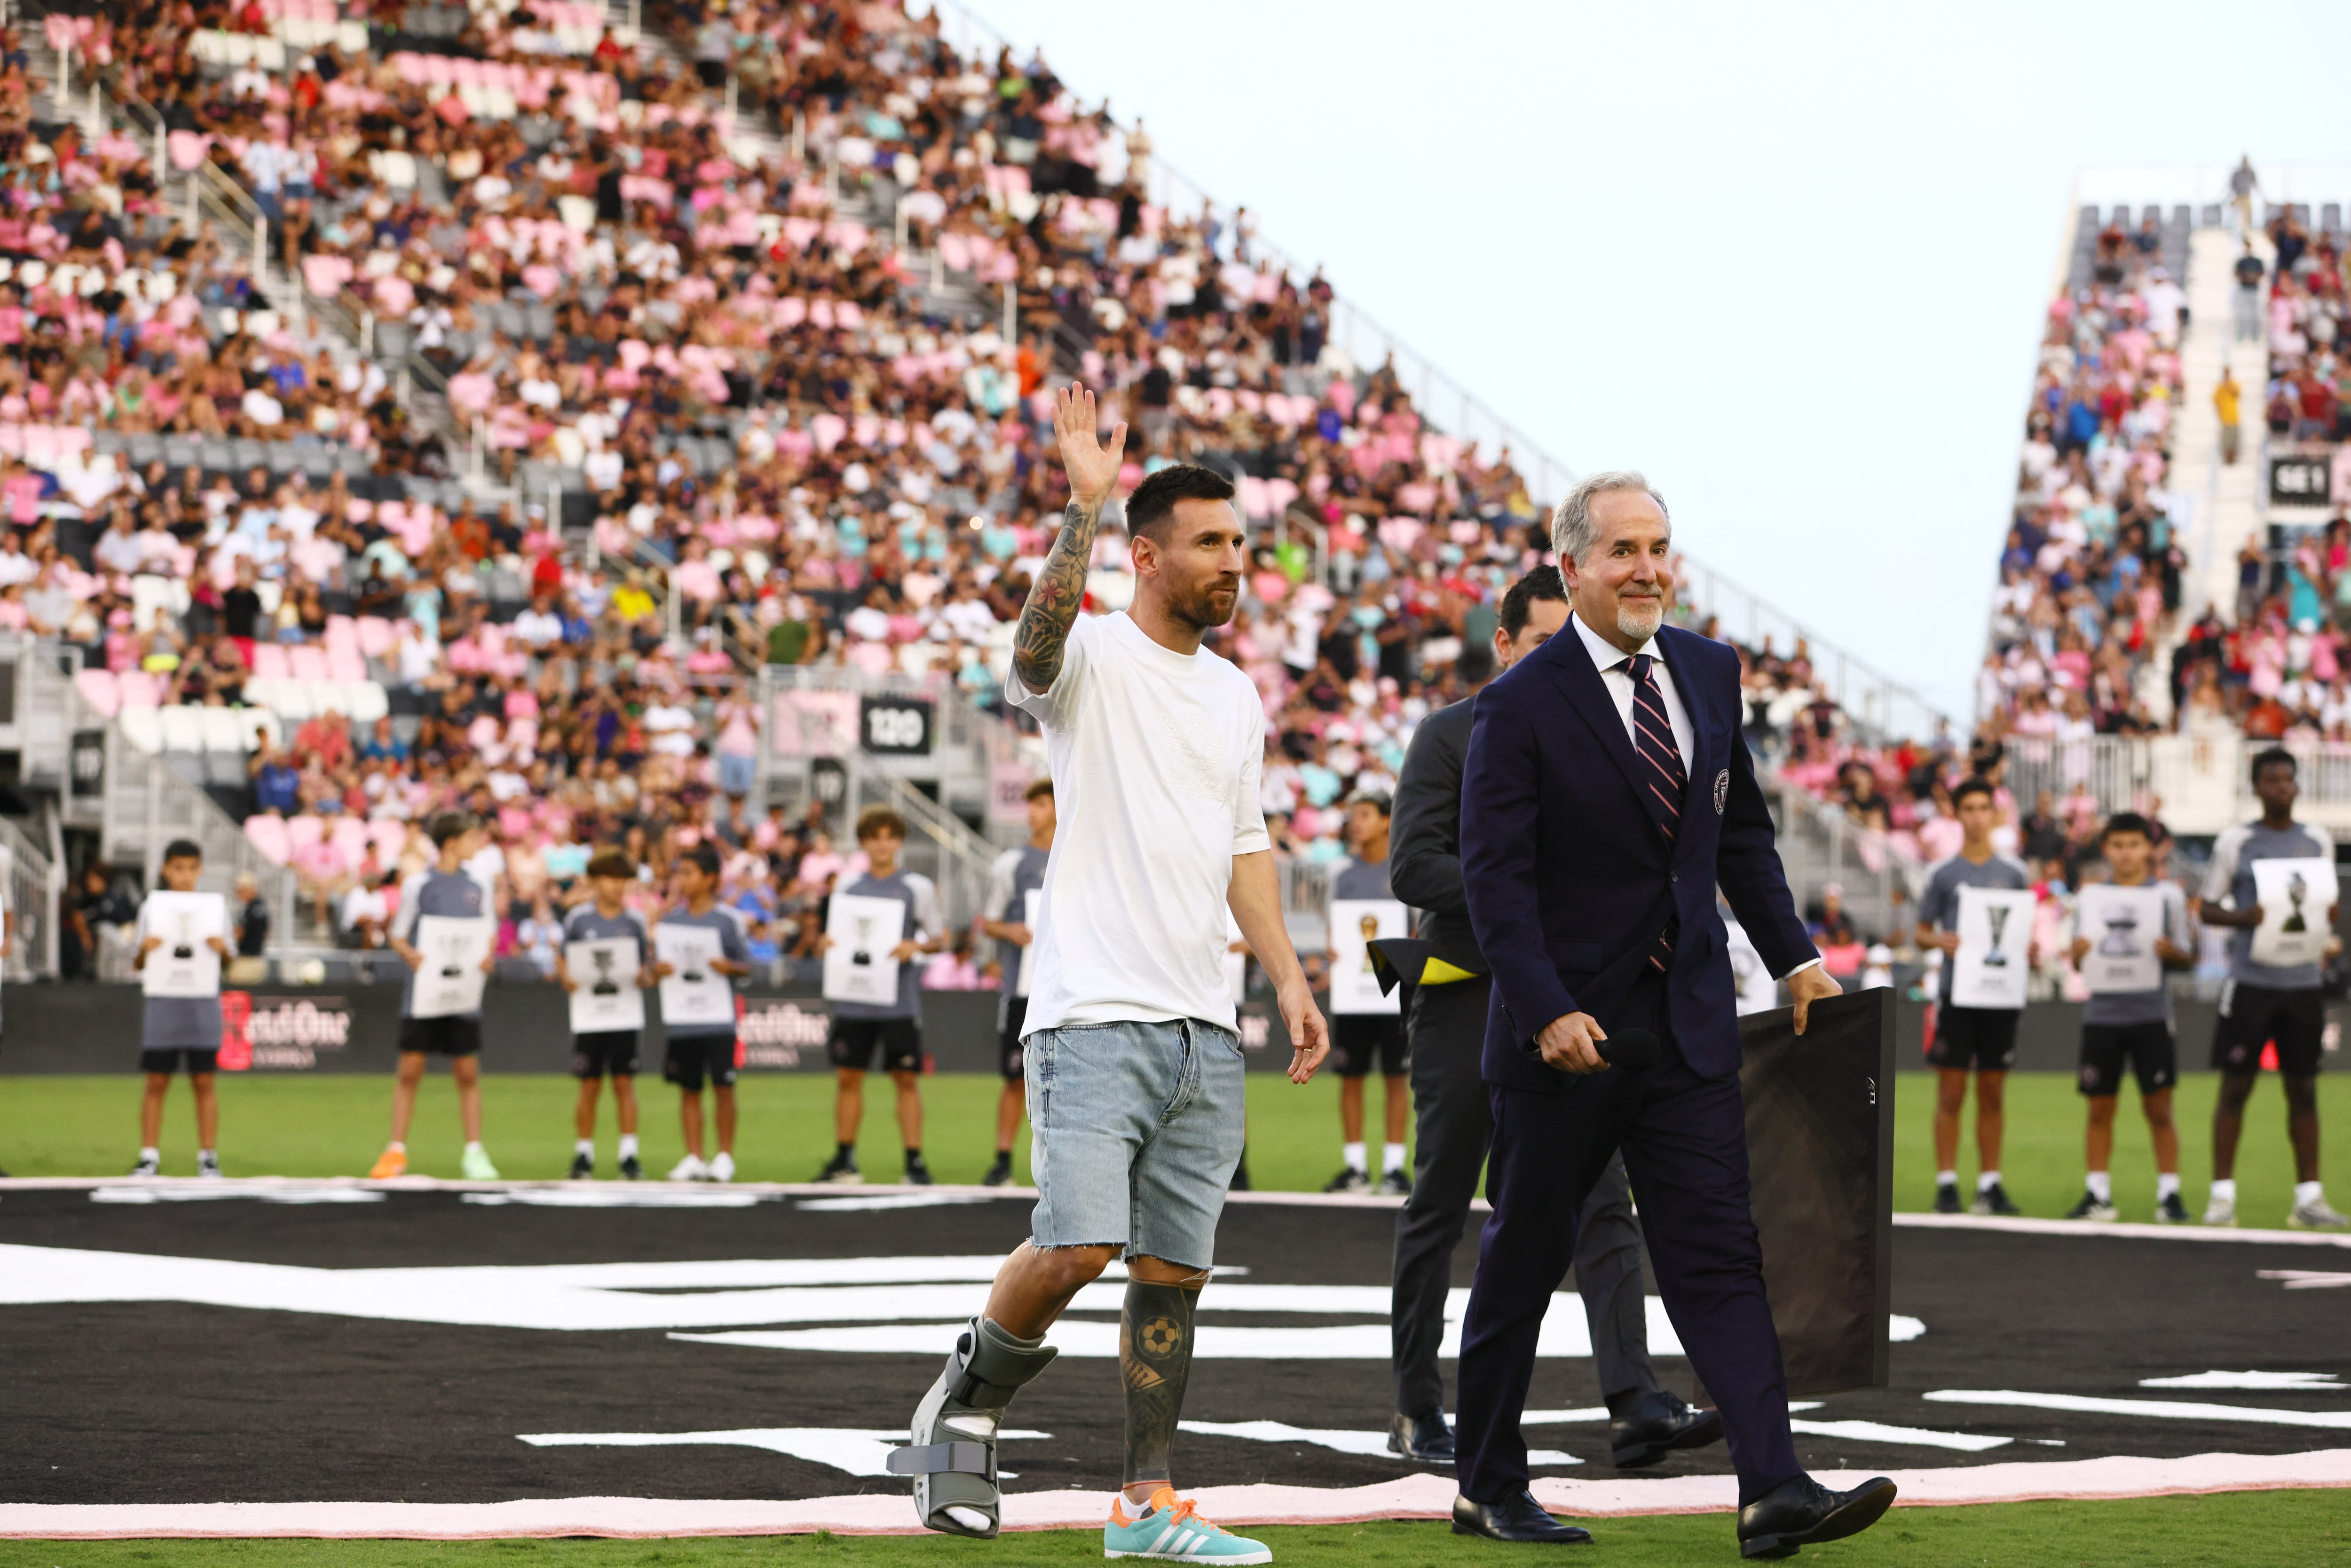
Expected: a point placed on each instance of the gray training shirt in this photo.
(434, 892)
(923, 921)
(733, 946)
(1939, 905)
(178, 1022)
(2230, 882)
(2142, 1007)
(1361, 878)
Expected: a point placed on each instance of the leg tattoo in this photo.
(1154, 1358)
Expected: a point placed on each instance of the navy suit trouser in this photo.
(1684, 1139)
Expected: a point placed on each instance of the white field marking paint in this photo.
(2132, 1232)
(857, 1451)
(1373, 1444)
(215, 1190)
(2325, 1381)
(2162, 1409)
(1916, 1437)
(892, 1200)
(1600, 1412)
(661, 1196)
(2308, 1279)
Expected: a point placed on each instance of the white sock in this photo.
(628, 1145)
(2102, 1187)
(207, 1153)
(1986, 1182)
(2308, 1192)
(1391, 1158)
(2224, 1187)
(1947, 1178)
(397, 1148)
(1354, 1154)
(2165, 1185)
(585, 1146)
(151, 1154)
(474, 1147)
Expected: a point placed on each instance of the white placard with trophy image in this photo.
(605, 997)
(692, 993)
(186, 964)
(1356, 925)
(1032, 903)
(449, 983)
(859, 966)
(2295, 895)
(1994, 962)
(2121, 925)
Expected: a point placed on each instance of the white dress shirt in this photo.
(1616, 667)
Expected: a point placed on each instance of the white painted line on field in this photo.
(891, 1513)
(141, 1192)
(857, 1451)
(889, 1200)
(1600, 1412)
(2307, 1278)
(658, 1195)
(2325, 1381)
(1916, 1437)
(1372, 1445)
(2157, 1409)
(2021, 1226)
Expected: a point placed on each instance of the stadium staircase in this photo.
(2225, 496)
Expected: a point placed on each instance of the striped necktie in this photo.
(1662, 778)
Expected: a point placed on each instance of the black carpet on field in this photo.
(116, 1402)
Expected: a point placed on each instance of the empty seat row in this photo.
(195, 731)
(362, 702)
(219, 454)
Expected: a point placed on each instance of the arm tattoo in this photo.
(1054, 598)
(1155, 1361)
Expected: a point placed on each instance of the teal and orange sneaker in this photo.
(1171, 1528)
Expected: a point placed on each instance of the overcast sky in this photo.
(1789, 260)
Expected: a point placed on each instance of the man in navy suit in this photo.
(1606, 794)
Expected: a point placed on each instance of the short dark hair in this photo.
(1544, 583)
(1379, 800)
(612, 862)
(1474, 667)
(2126, 823)
(451, 825)
(2269, 756)
(1974, 786)
(705, 857)
(1154, 501)
(878, 819)
(183, 849)
(1041, 790)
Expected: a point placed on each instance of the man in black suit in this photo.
(1607, 793)
(1447, 1024)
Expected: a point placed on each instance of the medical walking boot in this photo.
(953, 1455)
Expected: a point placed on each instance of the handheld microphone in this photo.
(1633, 1049)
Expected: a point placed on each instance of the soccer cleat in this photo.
(2316, 1215)
(207, 1163)
(918, 1173)
(2171, 1210)
(1349, 1179)
(722, 1167)
(2220, 1211)
(690, 1168)
(1173, 1530)
(631, 1169)
(474, 1165)
(1000, 1172)
(390, 1163)
(149, 1164)
(840, 1170)
(1395, 1184)
(582, 1166)
(2092, 1207)
(1947, 1197)
(952, 1455)
(1994, 1199)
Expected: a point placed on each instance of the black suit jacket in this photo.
(1425, 843)
(1570, 880)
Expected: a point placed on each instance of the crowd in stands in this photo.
(766, 367)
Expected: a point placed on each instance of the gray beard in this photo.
(1635, 624)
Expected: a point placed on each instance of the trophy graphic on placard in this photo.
(861, 952)
(183, 941)
(1998, 917)
(605, 984)
(1370, 927)
(2121, 940)
(2296, 891)
(450, 969)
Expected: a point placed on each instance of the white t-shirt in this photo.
(1155, 757)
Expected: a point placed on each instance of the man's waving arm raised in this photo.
(1060, 585)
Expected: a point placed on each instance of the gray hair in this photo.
(1571, 537)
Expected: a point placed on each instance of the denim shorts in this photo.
(1137, 1129)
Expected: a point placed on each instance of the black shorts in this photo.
(2154, 1057)
(614, 1052)
(1011, 1060)
(853, 1041)
(700, 1056)
(441, 1037)
(2253, 1016)
(170, 1058)
(1357, 1040)
(1983, 1038)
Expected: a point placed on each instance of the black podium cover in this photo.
(1819, 1151)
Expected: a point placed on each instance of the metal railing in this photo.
(34, 883)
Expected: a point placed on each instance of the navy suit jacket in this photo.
(1570, 878)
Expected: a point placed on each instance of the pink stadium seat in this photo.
(342, 631)
(267, 834)
(346, 665)
(304, 831)
(377, 636)
(270, 663)
(100, 690)
(350, 837)
(389, 836)
(307, 663)
(141, 689)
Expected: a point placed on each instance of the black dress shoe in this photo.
(1799, 1511)
(1422, 1439)
(1659, 1423)
(1519, 1518)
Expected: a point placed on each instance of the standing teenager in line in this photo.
(1016, 873)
